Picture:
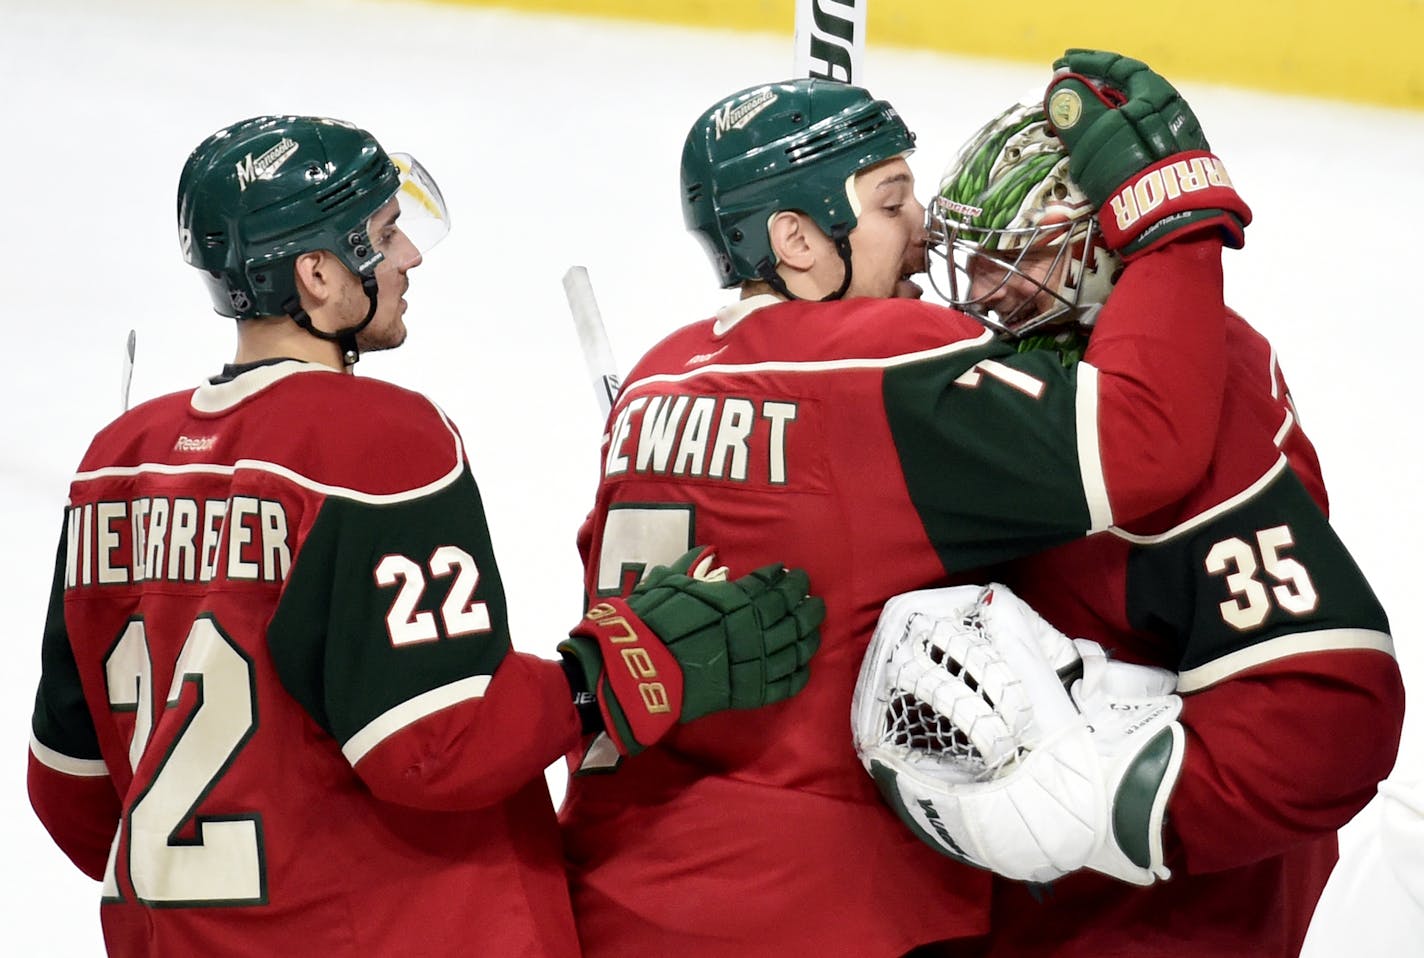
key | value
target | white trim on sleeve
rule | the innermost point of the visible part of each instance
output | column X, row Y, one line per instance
column 412, row 710
column 1325, row 640
column 1090, row 454
column 66, row 764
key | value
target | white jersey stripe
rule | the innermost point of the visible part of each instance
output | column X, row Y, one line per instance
column 169, row 469
column 79, row 767
column 388, row 723
column 1090, row 455
column 1326, row 640
column 1206, row 516
column 809, row 366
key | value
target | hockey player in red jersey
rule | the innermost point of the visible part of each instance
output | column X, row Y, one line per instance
column 885, row 444
column 279, row 711
column 1291, row 701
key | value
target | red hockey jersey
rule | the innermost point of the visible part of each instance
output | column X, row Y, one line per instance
column 279, row 712
column 1293, row 700
column 881, row 445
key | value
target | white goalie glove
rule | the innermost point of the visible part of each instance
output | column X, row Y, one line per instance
column 1002, row 743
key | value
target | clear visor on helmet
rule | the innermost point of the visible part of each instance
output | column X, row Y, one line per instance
column 417, row 220
column 1013, row 279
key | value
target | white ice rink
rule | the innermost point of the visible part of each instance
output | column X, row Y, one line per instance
column 556, row 141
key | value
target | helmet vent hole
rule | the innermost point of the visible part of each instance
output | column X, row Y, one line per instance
column 214, row 240
column 832, row 140
column 334, row 198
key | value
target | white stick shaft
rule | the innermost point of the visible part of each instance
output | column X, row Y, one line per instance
column 830, row 39
column 129, row 346
column 830, row 43
column 593, row 338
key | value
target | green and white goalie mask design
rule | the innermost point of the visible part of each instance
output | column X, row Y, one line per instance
column 1013, row 242
column 964, row 717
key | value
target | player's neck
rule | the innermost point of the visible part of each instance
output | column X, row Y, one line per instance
column 273, row 337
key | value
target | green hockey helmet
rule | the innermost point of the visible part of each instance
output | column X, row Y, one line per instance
column 255, row 195
column 1005, row 202
column 795, row 145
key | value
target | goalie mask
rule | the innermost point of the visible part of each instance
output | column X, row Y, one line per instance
column 1013, row 241
column 795, row 145
column 254, row 196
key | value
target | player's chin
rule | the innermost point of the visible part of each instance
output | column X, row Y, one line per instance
column 906, row 288
column 387, row 338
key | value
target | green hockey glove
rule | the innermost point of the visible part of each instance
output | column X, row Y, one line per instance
column 1138, row 152
column 687, row 643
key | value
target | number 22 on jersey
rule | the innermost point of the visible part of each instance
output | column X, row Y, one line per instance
column 223, row 863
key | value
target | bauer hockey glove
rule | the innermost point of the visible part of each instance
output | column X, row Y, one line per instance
column 962, row 717
column 1138, row 152
column 687, row 643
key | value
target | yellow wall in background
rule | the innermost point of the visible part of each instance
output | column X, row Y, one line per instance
column 1364, row 50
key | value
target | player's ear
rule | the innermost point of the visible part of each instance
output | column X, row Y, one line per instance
column 790, row 240
column 315, row 278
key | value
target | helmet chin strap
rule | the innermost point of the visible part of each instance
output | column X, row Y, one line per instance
column 345, row 339
column 766, row 269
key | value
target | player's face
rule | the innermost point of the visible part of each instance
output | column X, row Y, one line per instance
column 387, row 329
column 1015, row 295
column 888, row 242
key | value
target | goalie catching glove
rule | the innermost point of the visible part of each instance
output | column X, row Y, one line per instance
column 1137, row 151
column 964, row 717
column 687, row 643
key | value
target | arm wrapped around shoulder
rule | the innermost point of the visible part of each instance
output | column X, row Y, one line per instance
column 1138, row 152
column 687, row 642
column 964, row 717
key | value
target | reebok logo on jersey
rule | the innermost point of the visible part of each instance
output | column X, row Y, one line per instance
column 704, row 357
column 195, row 444
column 735, row 116
column 265, row 165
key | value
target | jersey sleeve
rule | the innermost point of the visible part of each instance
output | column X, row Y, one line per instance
column 69, row 784
column 1160, row 351
column 1293, row 701
column 392, row 632
column 1007, row 453
column 1286, row 751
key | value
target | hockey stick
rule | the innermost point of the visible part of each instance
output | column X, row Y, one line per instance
column 593, row 338
column 830, row 39
column 127, row 379
column 829, row 42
